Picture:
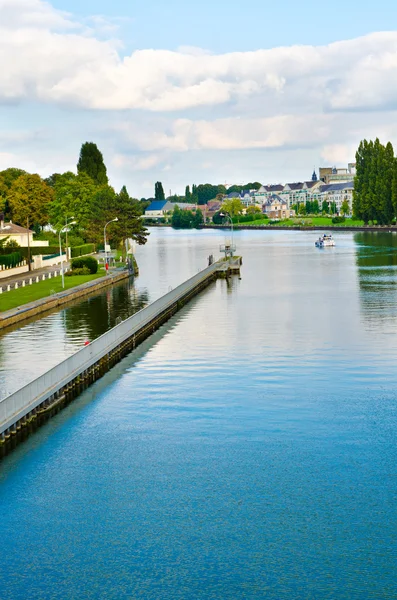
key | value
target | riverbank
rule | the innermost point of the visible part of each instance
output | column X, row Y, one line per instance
column 39, row 306
column 380, row 228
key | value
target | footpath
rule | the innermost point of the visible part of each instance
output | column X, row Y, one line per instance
column 45, row 273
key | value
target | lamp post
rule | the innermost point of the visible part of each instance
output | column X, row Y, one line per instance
column 104, row 240
column 225, row 214
column 60, row 249
column 66, row 224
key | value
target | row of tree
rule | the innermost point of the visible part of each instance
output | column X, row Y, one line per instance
column 186, row 219
column 31, row 201
column 375, row 183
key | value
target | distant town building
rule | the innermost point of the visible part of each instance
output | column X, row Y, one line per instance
column 334, row 175
column 158, row 209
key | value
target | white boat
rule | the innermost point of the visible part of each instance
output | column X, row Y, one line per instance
column 325, row 240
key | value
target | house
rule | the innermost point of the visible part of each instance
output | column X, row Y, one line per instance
column 338, row 193
column 158, row 209
column 277, row 208
column 21, row 235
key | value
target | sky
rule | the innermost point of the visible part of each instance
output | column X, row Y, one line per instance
column 195, row 92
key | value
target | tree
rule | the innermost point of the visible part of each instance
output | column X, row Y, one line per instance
column 187, row 194
column 325, row 207
column 3, row 195
column 394, row 186
column 91, row 163
column 198, row 219
column 52, row 179
column 315, row 207
column 74, row 197
column 10, row 175
column 130, row 224
column 302, row 209
column 345, row 208
column 158, row 191
column 233, row 206
column 309, row 208
column 333, row 208
column 252, row 210
column 29, row 199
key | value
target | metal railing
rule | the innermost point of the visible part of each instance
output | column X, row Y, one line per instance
column 21, row 402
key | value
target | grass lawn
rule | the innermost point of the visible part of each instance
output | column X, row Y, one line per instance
column 308, row 222
column 36, row 291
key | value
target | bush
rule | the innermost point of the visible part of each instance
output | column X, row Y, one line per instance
column 81, row 250
column 89, row 262
column 11, row 260
column 78, row 271
column 338, row 219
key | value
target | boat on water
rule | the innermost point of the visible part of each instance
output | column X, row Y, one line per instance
column 325, row 240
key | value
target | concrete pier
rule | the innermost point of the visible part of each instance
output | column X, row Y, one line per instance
column 26, row 409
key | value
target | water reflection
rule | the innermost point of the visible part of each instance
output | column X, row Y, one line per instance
column 103, row 312
column 37, row 346
column 376, row 260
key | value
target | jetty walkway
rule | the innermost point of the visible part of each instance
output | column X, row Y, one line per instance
column 27, row 408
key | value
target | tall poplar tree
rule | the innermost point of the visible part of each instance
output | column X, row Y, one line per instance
column 187, row 194
column 158, row 191
column 91, row 162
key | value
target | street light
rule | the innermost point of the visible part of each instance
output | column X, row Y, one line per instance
column 60, row 249
column 225, row 214
column 66, row 224
column 104, row 239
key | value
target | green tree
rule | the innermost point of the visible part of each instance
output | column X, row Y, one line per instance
column 130, row 224
column 325, row 207
column 233, row 206
column 198, row 218
column 309, row 208
column 252, row 210
column 158, row 191
column 345, row 208
column 315, row 207
column 394, row 186
column 10, row 175
column 187, row 194
column 333, row 208
column 3, row 195
column 74, row 197
column 91, row 163
column 52, row 179
column 29, row 200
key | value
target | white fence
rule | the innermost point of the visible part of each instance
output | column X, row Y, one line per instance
column 20, row 403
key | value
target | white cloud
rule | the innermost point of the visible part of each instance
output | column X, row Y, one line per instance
column 55, row 61
column 189, row 113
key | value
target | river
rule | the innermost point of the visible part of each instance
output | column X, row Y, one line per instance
column 246, row 450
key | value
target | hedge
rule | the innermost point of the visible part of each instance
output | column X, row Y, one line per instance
column 11, row 260
column 53, row 250
column 85, row 261
column 33, row 250
column 81, row 250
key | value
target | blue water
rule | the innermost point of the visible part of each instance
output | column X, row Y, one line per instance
column 246, row 450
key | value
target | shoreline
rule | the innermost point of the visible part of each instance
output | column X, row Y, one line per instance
column 32, row 309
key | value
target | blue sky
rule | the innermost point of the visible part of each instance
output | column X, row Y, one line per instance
column 194, row 92
column 224, row 26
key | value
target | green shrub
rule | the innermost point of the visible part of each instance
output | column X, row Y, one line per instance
column 78, row 271
column 338, row 219
column 11, row 260
column 89, row 262
column 81, row 250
